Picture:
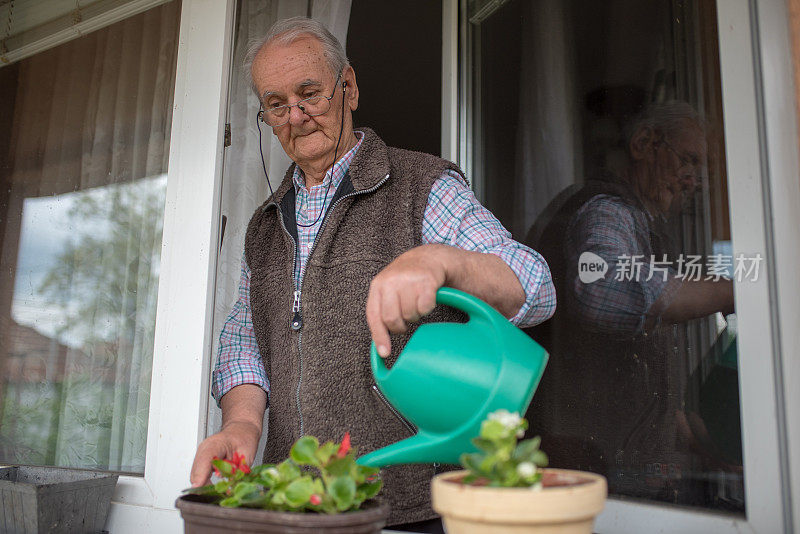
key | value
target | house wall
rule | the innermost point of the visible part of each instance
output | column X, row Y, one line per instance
column 794, row 29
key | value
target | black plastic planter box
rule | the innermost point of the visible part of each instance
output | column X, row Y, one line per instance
column 36, row 500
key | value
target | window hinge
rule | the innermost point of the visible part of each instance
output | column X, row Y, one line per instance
column 227, row 135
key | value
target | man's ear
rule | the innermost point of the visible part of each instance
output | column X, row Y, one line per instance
column 642, row 143
column 350, row 88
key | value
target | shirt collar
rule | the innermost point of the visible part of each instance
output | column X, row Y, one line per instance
column 339, row 169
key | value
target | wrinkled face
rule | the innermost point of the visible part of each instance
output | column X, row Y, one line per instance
column 680, row 162
column 285, row 74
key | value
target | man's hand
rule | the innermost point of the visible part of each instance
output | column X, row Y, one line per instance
column 405, row 290
column 242, row 412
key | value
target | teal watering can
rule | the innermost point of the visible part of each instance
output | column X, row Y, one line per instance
column 450, row 376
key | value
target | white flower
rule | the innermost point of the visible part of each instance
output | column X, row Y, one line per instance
column 273, row 472
column 509, row 420
column 526, row 469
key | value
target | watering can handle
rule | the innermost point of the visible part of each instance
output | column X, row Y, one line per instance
column 465, row 302
column 448, row 296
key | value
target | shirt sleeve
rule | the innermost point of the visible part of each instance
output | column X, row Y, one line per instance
column 238, row 357
column 635, row 287
column 454, row 217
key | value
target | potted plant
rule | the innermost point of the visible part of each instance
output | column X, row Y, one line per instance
column 504, row 488
column 318, row 488
column 52, row 499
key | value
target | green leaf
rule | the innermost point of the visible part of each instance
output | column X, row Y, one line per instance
column 540, row 459
column 270, row 476
column 224, row 467
column 472, row 462
column 288, row 470
column 340, row 467
column 278, row 498
column 202, row 490
column 484, row 444
column 221, row 487
column 325, row 452
column 343, row 490
column 526, row 449
column 362, row 473
column 230, row 502
column 493, row 430
column 371, row 489
column 299, row 491
column 244, row 489
column 304, row 451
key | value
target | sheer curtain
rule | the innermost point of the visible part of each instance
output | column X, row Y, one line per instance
column 548, row 139
column 84, row 180
column 244, row 186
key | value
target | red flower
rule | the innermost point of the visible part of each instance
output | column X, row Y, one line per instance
column 345, row 446
column 239, row 462
column 315, row 499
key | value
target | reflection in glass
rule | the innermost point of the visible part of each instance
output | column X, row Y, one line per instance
column 603, row 151
column 81, row 213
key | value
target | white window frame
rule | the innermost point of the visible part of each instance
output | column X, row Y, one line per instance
column 186, row 285
column 764, row 194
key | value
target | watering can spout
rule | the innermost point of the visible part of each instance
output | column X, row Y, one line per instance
column 414, row 450
column 379, row 369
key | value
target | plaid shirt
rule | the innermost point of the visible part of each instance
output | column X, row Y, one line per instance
column 623, row 300
column 453, row 216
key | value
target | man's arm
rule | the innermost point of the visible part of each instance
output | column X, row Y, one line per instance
column 242, row 412
column 406, row 289
column 699, row 298
column 240, row 387
column 465, row 247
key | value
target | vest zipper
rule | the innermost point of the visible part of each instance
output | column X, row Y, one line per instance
column 297, row 318
column 297, row 311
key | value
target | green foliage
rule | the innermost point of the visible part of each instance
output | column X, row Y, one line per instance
column 505, row 461
column 315, row 478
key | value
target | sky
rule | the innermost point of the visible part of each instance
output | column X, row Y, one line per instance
column 45, row 231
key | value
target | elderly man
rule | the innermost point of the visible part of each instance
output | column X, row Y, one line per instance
column 350, row 248
column 611, row 400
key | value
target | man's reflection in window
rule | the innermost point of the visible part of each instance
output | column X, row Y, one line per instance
column 612, row 399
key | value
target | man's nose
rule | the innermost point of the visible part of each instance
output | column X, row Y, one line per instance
column 297, row 114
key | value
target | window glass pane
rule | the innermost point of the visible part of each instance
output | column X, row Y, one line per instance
column 83, row 170
column 597, row 134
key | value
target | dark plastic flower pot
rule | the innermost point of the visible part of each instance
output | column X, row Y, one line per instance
column 36, row 500
column 201, row 517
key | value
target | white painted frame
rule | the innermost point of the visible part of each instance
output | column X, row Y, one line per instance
column 764, row 194
column 186, row 287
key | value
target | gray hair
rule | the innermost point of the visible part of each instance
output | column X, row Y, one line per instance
column 667, row 118
column 286, row 32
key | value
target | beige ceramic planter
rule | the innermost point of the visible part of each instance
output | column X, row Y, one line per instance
column 567, row 504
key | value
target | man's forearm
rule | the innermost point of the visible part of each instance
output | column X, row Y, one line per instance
column 486, row 276
column 694, row 299
column 243, row 406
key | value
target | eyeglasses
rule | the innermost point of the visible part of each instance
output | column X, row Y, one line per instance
column 312, row 106
column 687, row 160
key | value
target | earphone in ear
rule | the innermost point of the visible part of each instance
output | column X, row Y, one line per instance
column 344, row 86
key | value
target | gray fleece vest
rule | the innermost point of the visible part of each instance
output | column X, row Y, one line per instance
column 317, row 357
